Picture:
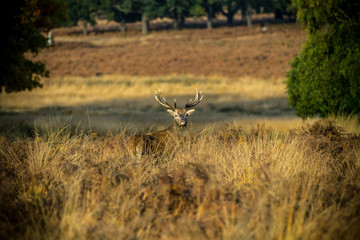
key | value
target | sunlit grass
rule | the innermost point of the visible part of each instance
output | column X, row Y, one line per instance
column 350, row 123
column 92, row 97
column 67, row 91
column 234, row 183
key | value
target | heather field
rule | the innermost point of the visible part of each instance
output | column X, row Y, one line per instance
column 247, row 168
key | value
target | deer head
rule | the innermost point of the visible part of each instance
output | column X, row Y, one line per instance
column 180, row 115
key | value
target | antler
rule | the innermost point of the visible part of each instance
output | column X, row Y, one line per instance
column 163, row 101
column 196, row 101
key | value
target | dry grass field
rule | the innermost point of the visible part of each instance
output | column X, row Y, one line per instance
column 248, row 168
column 227, row 184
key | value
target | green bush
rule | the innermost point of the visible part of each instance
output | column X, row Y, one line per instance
column 325, row 78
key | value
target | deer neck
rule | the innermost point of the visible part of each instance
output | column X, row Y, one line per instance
column 175, row 128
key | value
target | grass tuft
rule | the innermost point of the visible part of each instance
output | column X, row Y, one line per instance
column 229, row 184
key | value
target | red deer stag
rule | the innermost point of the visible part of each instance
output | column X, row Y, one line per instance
column 160, row 141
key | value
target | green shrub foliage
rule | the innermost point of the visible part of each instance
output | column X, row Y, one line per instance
column 325, row 78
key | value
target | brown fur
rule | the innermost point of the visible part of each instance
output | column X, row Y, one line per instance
column 156, row 143
column 159, row 142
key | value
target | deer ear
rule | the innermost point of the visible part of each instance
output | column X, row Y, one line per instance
column 191, row 111
column 171, row 112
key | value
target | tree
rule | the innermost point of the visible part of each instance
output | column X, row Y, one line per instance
column 129, row 10
column 84, row 11
column 118, row 11
column 178, row 10
column 152, row 9
column 206, row 7
column 278, row 7
column 25, row 22
column 325, row 77
column 229, row 9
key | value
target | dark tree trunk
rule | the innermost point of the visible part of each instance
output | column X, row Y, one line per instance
column 209, row 24
column 231, row 11
column 230, row 19
column 278, row 14
column 178, row 21
column 243, row 11
column 182, row 21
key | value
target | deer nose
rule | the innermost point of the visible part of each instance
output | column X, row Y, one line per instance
column 183, row 121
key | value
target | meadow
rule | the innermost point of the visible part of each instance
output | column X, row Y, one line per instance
column 249, row 168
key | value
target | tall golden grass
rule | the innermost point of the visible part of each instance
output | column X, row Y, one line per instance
column 233, row 183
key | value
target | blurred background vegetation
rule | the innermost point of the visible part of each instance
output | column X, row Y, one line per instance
column 324, row 78
column 28, row 20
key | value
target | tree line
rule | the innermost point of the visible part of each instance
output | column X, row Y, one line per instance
column 125, row 11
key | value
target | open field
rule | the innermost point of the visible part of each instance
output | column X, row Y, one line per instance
column 110, row 103
column 106, row 81
column 248, row 168
column 228, row 52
